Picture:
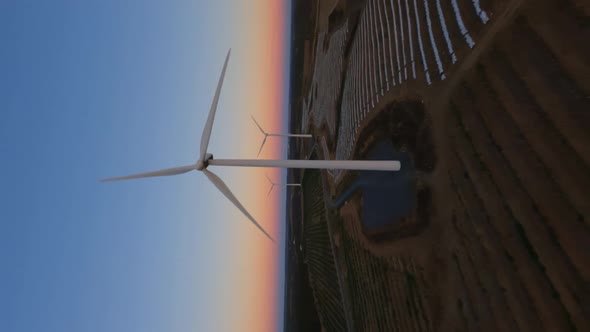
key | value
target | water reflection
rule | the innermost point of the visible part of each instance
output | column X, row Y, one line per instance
column 387, row 196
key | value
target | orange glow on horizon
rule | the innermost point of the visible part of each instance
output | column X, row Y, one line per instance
column 264, row 46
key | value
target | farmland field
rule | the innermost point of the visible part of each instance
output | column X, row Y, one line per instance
column 491, row 99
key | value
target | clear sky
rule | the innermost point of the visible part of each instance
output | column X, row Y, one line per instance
column 99, row 88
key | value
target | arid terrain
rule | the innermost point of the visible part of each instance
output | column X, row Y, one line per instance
column 492, row 101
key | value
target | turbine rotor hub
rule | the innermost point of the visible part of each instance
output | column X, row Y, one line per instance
column 202, row 164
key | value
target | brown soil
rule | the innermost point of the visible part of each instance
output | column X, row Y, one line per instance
column 504, row 149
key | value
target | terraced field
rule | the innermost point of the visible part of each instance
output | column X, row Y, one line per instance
column 319, row 256
column 505, row 86
column 386, row 293
column 517, row 129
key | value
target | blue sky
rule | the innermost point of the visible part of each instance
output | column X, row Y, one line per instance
column 92, row 89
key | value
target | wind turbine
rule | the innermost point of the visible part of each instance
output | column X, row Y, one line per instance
column 206, row 159
column 266, row 135
column 273, row 184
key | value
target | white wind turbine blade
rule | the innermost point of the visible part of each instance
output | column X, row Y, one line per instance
column 272, row 185
column 258, row 125
column 262, row 145
column 163, row 172
column 225, row 191
column 269, row 180
column 209, row 124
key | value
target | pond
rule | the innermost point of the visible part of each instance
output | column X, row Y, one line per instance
column 387, row 196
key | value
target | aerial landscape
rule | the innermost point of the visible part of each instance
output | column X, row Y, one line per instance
column 486, row 227
column 345, row 165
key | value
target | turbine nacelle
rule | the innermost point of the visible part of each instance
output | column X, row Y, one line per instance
column 202, row 164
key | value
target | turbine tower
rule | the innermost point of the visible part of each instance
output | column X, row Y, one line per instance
column 266, row 135
column 206, row 159
column 273, row 184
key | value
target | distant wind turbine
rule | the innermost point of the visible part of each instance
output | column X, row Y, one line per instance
column 206, row 159
column 273, row 184
column 266, row 135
